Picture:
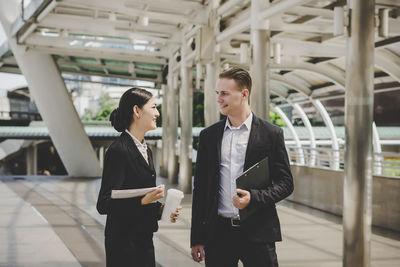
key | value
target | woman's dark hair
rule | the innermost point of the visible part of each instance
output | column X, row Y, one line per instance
column 122, row 116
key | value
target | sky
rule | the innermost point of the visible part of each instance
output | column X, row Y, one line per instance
column 9, row 81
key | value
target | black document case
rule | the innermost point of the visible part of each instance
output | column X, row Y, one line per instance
column 256, row 177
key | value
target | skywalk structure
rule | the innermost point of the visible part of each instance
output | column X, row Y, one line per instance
column 298, row 51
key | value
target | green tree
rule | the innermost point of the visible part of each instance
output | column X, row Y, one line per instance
column 275, row 119
column 198, row 109
column 106, row 106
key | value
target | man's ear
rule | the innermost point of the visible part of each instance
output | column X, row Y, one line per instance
column 245, row 92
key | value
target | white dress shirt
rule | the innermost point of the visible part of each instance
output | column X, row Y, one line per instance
column 141, row 146
column 233, row 153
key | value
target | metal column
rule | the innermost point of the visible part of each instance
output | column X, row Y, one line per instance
column 172, row 127
column 186, row 116
column 358, row 125
column 211, row 110
column 164, row 146
column 259, row 98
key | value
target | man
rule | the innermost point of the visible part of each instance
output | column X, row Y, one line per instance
column 226, row 149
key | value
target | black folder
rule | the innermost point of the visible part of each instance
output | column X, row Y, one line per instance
column 256, row 177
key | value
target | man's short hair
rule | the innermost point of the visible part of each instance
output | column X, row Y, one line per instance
column 241, row 77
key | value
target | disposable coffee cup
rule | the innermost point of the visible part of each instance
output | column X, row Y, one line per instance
column 174, row 198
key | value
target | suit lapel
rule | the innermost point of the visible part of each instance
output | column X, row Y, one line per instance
column 135, row 154
column 150, row 159
column 220, row 134
column 252, row 139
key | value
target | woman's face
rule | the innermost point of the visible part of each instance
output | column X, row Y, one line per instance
column 148, row 115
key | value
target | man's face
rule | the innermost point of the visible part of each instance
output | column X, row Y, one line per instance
column 229, row 97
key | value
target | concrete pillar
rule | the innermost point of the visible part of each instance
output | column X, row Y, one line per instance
column 259, row 98
column 186, row 114
column 359, row 98
column 101, row 156
column 211, row 109
column 172, row 127
column 164, row 146
column 31, row 159
column 55, row 106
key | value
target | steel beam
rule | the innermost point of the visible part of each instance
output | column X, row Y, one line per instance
column 240, row 25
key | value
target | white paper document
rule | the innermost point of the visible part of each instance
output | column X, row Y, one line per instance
column 128, row 193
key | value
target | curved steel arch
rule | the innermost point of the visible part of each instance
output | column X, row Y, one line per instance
column 285, row 81
column 278, row 92
column 376, row 144
column 335, row 160
column 331, row 74
column 388, row 62
column 308, row 125
column 300, row 154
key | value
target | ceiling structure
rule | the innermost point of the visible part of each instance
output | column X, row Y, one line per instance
column 135, row 39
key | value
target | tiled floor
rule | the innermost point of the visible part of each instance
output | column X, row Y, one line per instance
column 52, row 221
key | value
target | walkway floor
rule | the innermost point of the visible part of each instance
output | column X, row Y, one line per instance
column 52, row 221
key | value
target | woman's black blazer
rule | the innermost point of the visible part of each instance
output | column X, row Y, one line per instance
column 125, row 168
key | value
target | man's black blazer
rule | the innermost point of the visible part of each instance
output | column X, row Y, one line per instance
column 265, row 140
column 125, row 168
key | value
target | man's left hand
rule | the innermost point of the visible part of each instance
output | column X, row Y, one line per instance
column 242, row 199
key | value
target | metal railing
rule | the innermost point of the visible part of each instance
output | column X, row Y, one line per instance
column 385, row 163
column 18, row 115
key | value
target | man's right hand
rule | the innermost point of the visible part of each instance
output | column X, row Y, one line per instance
column 198, row 253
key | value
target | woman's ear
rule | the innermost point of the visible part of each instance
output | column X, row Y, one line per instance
column 136, row 111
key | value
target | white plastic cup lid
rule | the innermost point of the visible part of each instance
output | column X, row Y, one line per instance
column 175, row 192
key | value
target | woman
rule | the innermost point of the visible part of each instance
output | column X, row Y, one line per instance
column 128, row 164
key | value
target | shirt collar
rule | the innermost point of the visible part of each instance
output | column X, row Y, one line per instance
column 246, row 123
column 137, row 142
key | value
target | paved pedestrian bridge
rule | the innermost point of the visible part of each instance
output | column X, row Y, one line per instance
column 52, row 221
column 330, row 70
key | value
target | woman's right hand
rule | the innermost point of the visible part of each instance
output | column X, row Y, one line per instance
column 153, row 195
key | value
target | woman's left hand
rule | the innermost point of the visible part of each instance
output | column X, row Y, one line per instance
column 174, row 215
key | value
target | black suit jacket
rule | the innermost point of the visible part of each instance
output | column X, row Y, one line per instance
column 265, row 140
column 125, row 168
